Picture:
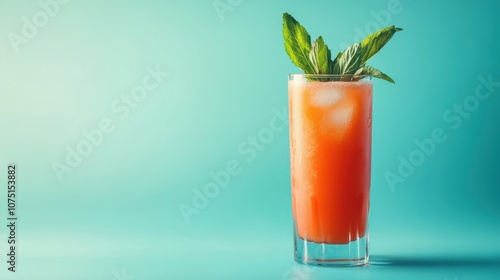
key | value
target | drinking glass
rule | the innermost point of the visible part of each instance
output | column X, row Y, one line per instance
column 330, row 156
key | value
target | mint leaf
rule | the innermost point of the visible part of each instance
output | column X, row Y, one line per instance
column 349, row 60
column 370, row 71
column 320, row 57
column 376, row 41
column 335, row 63
column 297, row 43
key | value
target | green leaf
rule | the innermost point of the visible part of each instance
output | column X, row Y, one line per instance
column 297, row 43
column 368, row 70
column 320, row 57
column 376, row 41
column 349, row 60
column 335, row 64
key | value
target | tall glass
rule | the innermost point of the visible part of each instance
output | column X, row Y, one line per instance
column 330, row 155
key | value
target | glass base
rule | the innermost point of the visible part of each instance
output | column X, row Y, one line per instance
column 354, row 253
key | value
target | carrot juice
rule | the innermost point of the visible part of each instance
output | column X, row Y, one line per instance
column 330, row 154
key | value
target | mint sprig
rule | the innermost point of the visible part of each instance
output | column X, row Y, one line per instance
column 315, row 58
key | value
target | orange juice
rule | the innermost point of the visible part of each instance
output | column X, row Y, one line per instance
column 330, row 141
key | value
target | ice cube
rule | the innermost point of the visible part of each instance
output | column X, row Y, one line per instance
column 341, row 116
column 338, row 120
column 325, row 97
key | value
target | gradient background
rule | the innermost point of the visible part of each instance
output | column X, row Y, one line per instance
column 116, row 216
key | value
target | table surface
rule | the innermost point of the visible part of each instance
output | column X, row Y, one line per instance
column 230, row 259
column 254, row 266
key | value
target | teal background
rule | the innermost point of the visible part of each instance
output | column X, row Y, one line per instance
column 116, row 215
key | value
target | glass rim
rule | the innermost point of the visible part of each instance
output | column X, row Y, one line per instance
column 333, row 77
